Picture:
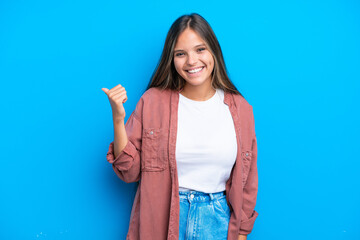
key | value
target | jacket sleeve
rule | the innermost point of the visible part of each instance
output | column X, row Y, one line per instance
column 250, row 191
column 127, row 164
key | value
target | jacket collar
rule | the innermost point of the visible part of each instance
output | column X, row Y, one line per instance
column 227, row 98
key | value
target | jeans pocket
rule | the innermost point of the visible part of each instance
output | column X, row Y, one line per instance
column 222, row 205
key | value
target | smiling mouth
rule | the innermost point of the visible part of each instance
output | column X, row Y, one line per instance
column 195, row 70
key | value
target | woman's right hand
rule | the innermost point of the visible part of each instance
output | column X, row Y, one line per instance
column 117, row 96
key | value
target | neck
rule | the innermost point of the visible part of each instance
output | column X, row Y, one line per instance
column 198, row 93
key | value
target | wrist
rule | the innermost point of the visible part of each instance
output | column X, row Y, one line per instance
column 118, row 119
column 242, row 237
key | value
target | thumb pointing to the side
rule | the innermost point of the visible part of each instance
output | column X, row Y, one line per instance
column 105, row 90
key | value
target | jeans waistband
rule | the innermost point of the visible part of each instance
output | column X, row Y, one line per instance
column 197, row 196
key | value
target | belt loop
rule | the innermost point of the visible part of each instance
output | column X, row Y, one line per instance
column 211, row 196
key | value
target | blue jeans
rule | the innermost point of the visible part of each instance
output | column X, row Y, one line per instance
column 203, row 216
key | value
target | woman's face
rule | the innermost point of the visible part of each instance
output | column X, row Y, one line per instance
column 192, row 59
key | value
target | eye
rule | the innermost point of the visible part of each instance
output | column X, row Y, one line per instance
column 178, row 54
column 201, row 49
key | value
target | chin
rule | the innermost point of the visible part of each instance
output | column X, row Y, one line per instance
column 195, row 82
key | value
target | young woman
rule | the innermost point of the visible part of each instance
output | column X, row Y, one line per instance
column 190, row 143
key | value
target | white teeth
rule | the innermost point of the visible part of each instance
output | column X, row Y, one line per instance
column 195, row 70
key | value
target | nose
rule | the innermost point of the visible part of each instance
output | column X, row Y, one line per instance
column 192, row 59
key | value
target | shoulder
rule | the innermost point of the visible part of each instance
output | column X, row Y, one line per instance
column 153, row 100
column 242, row 103
column 245, row 111
column 156, row 94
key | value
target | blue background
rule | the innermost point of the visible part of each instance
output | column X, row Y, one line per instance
column 296, row 62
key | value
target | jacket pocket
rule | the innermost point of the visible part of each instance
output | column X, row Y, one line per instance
column 151, row 150
column 246, row 157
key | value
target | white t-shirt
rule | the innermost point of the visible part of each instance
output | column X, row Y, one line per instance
column 206, row 145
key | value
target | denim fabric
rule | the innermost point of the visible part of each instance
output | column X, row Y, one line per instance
column 203, row 216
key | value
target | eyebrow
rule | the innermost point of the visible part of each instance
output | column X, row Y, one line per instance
column 194, row 47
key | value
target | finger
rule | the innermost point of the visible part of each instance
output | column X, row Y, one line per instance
column 116, row 87
column 105, row 90
column 117, row 91
column 121, row 97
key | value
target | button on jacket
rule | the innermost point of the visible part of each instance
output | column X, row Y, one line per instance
column 149, row 158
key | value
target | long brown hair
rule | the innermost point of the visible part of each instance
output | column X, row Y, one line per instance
column 165, row 75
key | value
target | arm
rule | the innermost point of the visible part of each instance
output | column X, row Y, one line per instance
column 250, row 191
column 124, row 152
column 120, row 136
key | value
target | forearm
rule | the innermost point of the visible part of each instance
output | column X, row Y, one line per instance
column 120, row 136
column 242, row 237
